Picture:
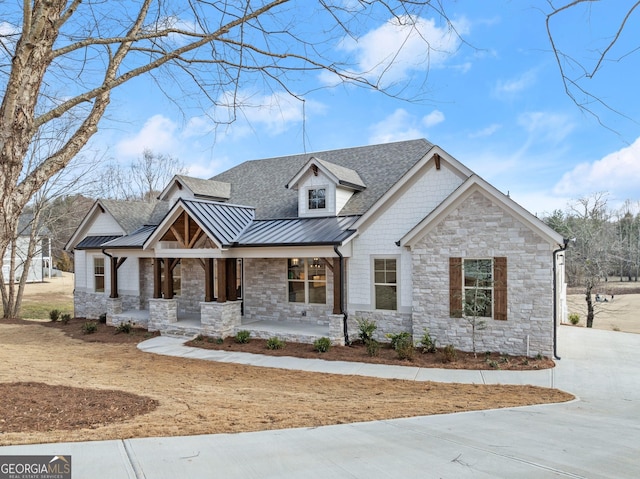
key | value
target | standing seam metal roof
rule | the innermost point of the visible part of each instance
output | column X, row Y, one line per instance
column 222, row 221
column 298, row 232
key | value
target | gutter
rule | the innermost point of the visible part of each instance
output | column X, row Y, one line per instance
column 342, row 297
column 555, row 297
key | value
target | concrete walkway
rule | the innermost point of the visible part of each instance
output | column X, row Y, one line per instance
column 597, row 436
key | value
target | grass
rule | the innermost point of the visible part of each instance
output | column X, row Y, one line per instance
column 35, row 309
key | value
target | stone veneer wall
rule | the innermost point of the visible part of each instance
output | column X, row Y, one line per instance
column 480, row 229
column 146, row 282
column 388, row 322
column 192, row 288
column 266, row 297
column 89, row 305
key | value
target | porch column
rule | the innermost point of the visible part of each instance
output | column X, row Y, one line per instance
column 114, row 277
column 157, row 278
column 208, row 280
column 168, row 279
column 232, row 282
column 337, row 290
column 222, row 281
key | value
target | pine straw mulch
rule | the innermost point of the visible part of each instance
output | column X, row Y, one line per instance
column 385, row 355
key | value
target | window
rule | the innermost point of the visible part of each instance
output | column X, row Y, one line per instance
column 317, row 199
column 385, row 283
column 478, row 288
column 307, row 278
column 98, row 273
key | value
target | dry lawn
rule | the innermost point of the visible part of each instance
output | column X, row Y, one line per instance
column 620, row 314
column 201, row 397
column 58, row 388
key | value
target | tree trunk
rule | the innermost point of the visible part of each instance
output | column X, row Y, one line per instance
column 590, row 312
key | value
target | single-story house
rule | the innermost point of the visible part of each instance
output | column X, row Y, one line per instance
column 304, row 246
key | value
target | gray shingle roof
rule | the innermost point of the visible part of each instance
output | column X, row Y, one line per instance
column 261, row 183
column 345, row 175
column 207, row 188
column 131, row 215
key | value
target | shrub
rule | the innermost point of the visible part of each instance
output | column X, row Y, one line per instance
column 427, row 344
column 493, row 364
column 89, row 327
column 199, row 337
column 275, row 343
column 574, row 318
column 402, row 344
column 54, row 315
column 373, row 347
column 103, row 318
column 366, row 329
column 322, row 345
column 243, row 336
column 450, row 354
column 124, row 327
column 65, row 318
column 219, row 340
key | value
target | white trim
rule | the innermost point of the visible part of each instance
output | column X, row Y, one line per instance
column 472, row 185
column 398, row 260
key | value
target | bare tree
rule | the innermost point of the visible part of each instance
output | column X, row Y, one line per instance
column 578, row 68
column 143, row 179
column 60, row 60
column 590, row 256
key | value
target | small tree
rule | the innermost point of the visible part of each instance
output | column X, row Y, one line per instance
column 477, row 301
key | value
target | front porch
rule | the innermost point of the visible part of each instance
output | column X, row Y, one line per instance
column 221, row 321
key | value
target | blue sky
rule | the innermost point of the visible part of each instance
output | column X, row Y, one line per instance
column 495, row 102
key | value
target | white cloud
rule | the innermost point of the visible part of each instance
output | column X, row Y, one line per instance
column 485, row 132
column 546, row 127
column 274, row 114
column 402, row 125
column 618, row 173
column 157, row 134
column 403, row 45
column 515, row 85
column 433, row 118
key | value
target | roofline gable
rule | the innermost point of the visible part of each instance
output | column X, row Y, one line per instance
column 436, row 155
column 464, row 191
column 320, row 165
column 80, row 231
column 176, row 210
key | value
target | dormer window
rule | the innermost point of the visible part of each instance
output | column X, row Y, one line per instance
column 317, row 199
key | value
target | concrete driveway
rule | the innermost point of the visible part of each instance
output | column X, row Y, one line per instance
column 597, row 436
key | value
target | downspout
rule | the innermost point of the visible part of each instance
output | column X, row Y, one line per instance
column 343, row 309
column 555, row 298
column 104, row 252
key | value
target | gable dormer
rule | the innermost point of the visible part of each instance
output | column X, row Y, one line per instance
column 195, row 189
column 324, row 187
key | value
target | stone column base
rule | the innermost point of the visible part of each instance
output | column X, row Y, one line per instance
column 162, row 312
column 114, row 306
column 220, row 319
